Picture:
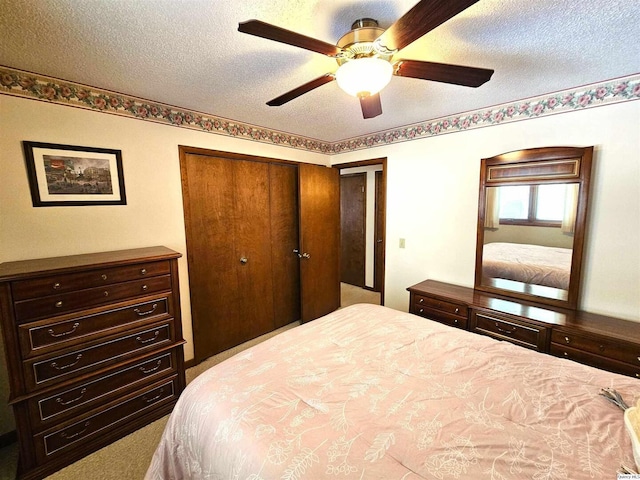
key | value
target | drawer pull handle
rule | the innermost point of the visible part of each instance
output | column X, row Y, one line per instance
column 566, row 354
column 637, row 375
column 148, row 312
column 55, row 364
column 77, row 434
column 73, row 329
column 639, row 359
column 153, row 369
column 106, row 294
column 421, row 310
column 455, row 321
column 567, row 340
column 149, row 400
column 103, row 276
column 59, row 304
column 155, row 337
column 73, row 400
column 143, row 271
column 144, row 288
column 601, row 348
column 421, row 300
column 457, row 310
column 57, row 286
column 504, row 330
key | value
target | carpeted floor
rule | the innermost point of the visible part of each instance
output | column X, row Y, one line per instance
column 129, row 457
column 350, row 294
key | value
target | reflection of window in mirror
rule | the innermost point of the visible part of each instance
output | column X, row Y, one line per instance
column 532, row 204
column 540, row 214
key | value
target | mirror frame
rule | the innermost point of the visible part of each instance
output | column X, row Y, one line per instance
column 539, row 166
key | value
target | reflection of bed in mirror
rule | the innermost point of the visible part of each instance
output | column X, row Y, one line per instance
column 532, row 264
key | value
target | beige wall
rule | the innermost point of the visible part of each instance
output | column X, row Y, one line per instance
column 550, row 237
column 432, row 200
column 153, row 214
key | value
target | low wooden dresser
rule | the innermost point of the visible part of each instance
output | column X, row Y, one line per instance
column 93, row 346
column 601, row 341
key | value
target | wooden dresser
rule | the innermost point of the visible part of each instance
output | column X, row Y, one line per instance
column 94, row 350
column 605, row 342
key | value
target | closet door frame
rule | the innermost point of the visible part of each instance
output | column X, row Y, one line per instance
column 380, row 219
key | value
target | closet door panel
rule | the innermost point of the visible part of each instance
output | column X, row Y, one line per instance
column 353, row 225
column 252, row 230
column 209, row 211
column 284, row 240
column 319, row 204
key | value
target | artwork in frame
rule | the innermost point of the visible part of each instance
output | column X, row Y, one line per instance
column 70, row 175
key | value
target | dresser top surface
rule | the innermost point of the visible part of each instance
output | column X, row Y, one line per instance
column 576, row 320
column 47, row 266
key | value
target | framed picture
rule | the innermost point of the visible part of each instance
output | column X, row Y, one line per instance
column 69, row 175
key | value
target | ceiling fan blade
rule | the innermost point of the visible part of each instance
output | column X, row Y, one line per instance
column 443, row 72
column 421, row 19
column 277, row 34
column 301, row 90
column 371, row 106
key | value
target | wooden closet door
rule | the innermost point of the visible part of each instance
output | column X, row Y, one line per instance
column 353, row 225
column 252, row 228
column 226, row 205
column 284, row 240
column 319, row 204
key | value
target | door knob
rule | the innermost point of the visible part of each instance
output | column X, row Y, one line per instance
column 306, row 255
column 297, row 252
column 243, row 260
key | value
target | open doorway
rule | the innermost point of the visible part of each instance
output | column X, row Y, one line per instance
column 363, row 207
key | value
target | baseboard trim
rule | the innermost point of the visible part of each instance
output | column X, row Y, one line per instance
column 8, row 438
column 189, row 363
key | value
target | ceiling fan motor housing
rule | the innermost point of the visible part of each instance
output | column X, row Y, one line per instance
column 358, row 42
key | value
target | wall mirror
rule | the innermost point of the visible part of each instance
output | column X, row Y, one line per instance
column 532, row 215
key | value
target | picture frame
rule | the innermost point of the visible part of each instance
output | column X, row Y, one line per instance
column 71, row 175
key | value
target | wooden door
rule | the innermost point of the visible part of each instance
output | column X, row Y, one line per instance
column 226, row 206
column 379, row 228
column 284, row 240
column 353, row 219
column 252, row 231
column 319, row 211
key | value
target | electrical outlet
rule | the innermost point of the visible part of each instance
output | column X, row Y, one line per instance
column 402, row 243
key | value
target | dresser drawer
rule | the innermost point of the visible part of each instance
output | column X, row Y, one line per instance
column 442, row 317
column 63, row 283
column 511, row 329
column 606, row 347
column 58, row 441
column 68, row 302
column 452, row 308
column 595, row 360
column 44, row 336
column 85, row 360
column 74, row 400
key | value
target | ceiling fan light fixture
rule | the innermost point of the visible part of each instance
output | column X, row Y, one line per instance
column 364, row 76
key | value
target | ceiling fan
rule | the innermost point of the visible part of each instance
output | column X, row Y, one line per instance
column 365, row 54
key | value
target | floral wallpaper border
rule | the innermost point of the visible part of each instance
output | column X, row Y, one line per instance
column 30, row 85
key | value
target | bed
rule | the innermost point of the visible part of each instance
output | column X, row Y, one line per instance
column 534, row 264
column 368, row 392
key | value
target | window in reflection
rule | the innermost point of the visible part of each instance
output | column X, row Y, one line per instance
column 532, row 204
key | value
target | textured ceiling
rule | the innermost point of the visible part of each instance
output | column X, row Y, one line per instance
column 189, row 54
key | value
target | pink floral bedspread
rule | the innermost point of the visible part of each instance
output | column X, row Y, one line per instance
column 368, row 392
